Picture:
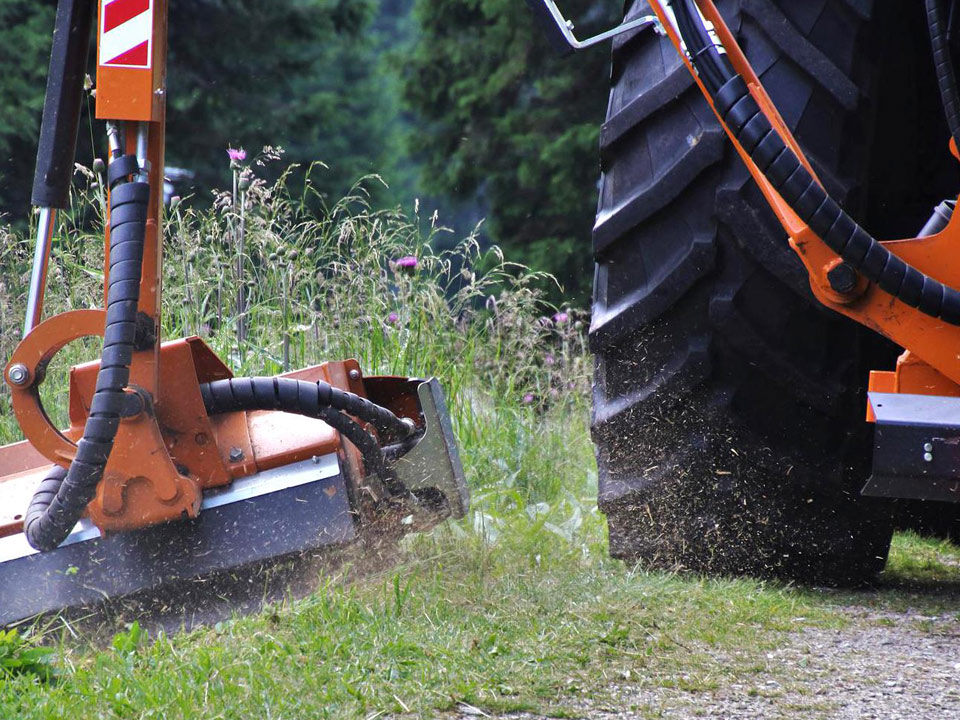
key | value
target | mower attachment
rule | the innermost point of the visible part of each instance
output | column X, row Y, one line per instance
column 279, row 512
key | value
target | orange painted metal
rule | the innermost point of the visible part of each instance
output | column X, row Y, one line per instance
column 35, row 351
column 268, row 439
column 911, row 376
column 16, row 489
column 181, row 417
column 141, row 484
column 130, row 93
column 930, row 340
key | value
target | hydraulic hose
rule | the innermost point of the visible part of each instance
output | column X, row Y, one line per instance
column 64, row 494
column 316, row 400
column 943, row 60
column 781, row 166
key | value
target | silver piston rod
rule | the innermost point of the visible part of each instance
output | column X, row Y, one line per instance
column 41, row 262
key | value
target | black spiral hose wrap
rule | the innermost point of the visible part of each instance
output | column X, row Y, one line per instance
column 316, row 400
column 64, row 494
column 781, row 166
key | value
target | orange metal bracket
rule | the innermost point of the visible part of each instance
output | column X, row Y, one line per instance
column 932, row 341
column 34, row 353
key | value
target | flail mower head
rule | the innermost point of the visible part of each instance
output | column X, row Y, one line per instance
column 172, row 470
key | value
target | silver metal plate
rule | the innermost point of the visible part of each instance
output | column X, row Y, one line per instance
column 264, row 483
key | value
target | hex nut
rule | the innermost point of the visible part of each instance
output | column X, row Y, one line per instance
column 19, row 374
column 843, row 278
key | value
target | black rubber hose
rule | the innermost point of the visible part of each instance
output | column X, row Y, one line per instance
column 64, row 495
column 810, row 202
column 704, row 54
column 233, row 394
column 943, row 61
column 317, row 400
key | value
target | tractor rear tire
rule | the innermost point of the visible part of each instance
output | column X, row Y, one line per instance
column 728, row 404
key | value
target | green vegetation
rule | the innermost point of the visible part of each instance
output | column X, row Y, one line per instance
column 518, row 606
column 21, row 655
column 503, row 117
column 306, row 76
column 457, row 102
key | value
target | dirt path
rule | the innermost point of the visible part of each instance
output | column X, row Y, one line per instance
column 886, row 666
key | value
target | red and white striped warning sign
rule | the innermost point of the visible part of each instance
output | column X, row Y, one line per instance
column 126, row 33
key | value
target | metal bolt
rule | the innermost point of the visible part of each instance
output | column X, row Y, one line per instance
column 200, row 438
column 19, row 374
column 928, row 457
column 928, row 447
column 354, row 374
column 843, row 278
column 316, row 459
column 236, row 454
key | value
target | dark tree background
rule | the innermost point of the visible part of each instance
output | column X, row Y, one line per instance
column 458, row 102
column 505, row 119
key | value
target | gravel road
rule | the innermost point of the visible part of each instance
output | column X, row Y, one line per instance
column 887, row 666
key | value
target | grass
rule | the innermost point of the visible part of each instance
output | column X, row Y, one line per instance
column 518, row 607
column 530, row 622
column 537, row 620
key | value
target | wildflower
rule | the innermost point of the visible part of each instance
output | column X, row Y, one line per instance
column 528, row 398
column 560, row 318
column 237, row 154
column 407, row 262
column 392, row 318
column 549, row 360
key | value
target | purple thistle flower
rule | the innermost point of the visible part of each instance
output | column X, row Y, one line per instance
column 407, row 262
column 528, row 398
column 392, row 318
column 237, row 154
column 560, row 318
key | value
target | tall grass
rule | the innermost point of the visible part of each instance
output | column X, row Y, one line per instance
column 322, row 281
